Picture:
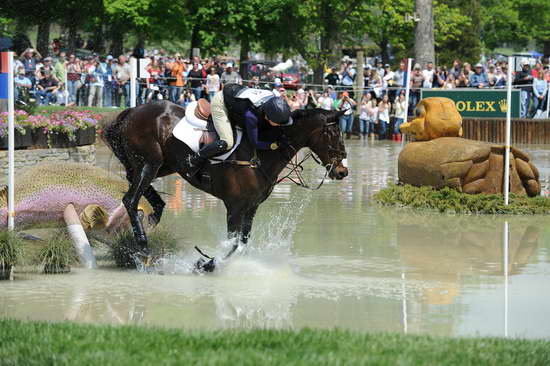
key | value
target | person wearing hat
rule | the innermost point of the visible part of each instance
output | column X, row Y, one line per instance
column 417, row 82
column 479, row 79
column 525, row 79
column 257, row 111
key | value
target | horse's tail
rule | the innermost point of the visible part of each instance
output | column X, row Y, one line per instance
column 112, row 135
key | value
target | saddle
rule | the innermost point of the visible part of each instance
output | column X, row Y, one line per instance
column 203, row 112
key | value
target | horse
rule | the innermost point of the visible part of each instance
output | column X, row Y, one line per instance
column 141, row 139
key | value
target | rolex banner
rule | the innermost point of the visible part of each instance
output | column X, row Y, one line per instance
column 479, row 103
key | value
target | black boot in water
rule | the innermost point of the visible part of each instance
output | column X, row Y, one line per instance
column 197, row 161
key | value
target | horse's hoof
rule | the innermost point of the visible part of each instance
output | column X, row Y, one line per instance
column 204, row 265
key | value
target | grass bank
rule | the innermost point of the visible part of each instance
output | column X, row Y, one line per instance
column 35, row 343
column 449, row 200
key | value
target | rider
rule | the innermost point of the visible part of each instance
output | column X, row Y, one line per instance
column 252, row 109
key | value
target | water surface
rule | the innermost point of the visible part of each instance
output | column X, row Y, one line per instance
column 329, row 258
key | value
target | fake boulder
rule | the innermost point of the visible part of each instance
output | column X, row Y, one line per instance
column 467, row 165
column 435, row 117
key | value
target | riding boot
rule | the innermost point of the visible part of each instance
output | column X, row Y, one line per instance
column 197, row 160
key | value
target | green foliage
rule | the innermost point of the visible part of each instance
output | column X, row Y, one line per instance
column 449, row 200
column 41, row 343
column 57, row 254
column 10, row 250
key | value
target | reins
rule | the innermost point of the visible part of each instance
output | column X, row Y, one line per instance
column 295, row 167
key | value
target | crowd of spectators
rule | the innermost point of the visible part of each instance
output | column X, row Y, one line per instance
column 104, row 81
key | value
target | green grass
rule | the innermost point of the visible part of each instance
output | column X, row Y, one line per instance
column 449, row 200
column 37, row 343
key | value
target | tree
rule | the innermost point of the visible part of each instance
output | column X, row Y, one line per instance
column 424, row 45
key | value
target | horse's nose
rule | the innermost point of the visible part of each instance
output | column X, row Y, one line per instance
column 343, row 173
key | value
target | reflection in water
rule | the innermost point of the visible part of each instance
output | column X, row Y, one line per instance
column 321, row 259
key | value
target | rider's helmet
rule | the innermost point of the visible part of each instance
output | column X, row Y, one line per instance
column 277, row 110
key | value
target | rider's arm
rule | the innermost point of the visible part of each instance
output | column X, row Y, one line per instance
column 251, row 122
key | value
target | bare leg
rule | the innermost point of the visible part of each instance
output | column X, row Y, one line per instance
column 138, row 186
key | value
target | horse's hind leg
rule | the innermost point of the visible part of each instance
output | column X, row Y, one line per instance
column 156, row 202
column 139, row 184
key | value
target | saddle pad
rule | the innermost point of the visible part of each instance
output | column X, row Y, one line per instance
column 191, row 135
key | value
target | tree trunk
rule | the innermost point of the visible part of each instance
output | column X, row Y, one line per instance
column 99, row 39
column 546, row 49
column 385, row 51
column 195, row 40
column 424, row 33
column 245, row 49
column 318, row 74
column 117, row 46
column 43, row 37
column 71, row 40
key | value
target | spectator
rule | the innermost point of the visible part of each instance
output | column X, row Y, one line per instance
column 372, row 109
column 311, row 101
column 540, row 91
column 346, row 121
column 375, row 82
column 294, row 103
column 450, row 82
column 384, row 108
column 95, row 78
column 536, row 70
column 468, row 70
column 230, row 76
column 333, row 78
column 45, row 65
column 301, row 97
column 439, row 78
column 348, row 77
column 29, row 63
column 108, row 85
column 46, row 88
column 60, row 68
column 122, row 74
column 456, row 71
column 387, row 80
column 400, row 115
column 23, row 86
column 478, row 79
column 325, row 101
column 73, row 78
column 462, row 81
column 417, row 81
column 491, row 76
column 428, row 74
column 177, row 70
column 500, row 78
column 195, row 81
column 399, row 75
column 524, row 78
column 61, row 96
column 364, row 117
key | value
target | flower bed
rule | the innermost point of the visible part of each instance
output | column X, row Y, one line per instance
column 66, row 128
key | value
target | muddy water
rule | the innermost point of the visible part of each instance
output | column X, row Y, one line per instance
column 330, row 258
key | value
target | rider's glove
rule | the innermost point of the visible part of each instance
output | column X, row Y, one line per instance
column 274, row 145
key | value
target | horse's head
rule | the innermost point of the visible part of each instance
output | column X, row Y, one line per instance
column 320, row 131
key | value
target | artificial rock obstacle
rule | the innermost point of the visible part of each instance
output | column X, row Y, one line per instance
column 439, row 157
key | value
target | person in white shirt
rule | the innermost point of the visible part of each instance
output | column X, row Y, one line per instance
column 383, row 116
column 364, row 117
column 428, row 74
column 325, row 101
column 400, row 115
column 212, row 83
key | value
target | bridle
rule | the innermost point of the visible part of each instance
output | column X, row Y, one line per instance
column 296, row 167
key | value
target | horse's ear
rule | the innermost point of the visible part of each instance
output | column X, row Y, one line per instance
column 335, row 115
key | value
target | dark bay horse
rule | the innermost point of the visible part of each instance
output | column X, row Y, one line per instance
column 141, row 139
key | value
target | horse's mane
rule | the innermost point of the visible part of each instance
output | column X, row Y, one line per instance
column 317, row 113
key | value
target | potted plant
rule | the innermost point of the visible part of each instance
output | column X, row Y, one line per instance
column 83, row 122
column 22, row 133
column 10, row 253
column 40, row 129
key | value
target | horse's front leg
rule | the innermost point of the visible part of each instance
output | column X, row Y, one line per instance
column 139, row 184
column 156, row 202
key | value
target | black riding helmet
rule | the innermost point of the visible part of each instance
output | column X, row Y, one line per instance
column 277, row 110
